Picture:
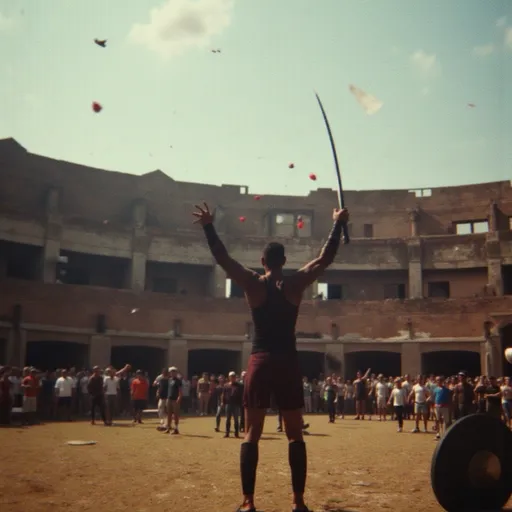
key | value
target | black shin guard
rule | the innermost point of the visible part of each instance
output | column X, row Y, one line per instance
column 298, row 460
column 248, row 465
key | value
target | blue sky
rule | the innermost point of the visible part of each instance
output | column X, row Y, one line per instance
column 240, row 116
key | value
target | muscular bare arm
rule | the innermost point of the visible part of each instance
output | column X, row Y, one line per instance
column 243, row 276
column 308, row 274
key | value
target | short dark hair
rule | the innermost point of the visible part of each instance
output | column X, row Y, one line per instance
column 273, row 254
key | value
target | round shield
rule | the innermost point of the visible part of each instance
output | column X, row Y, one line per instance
column 472, row 465
column 80, row 443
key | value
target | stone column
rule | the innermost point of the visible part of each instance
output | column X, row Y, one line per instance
column 16, row 350
column 217, row 282
column 415, row 269
column 54, row 225
column 140, row 247
column 411, row 358
column 334, row 352
column 491, row 357
column 414, row 218
column 177, row 355
column 100, row 348
column 494, row 263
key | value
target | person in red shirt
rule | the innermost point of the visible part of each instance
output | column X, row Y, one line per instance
column 139, row 390
column 30, row 386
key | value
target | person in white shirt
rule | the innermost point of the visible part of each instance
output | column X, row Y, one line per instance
column 407, row 386
column 398, row 399
column 85, row 399
column 381, row 397
column 185, row 392
column 420, row 395
column 111, row 388
column 64, row 392
column 308, row 407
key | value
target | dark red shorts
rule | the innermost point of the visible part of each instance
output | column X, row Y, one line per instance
column 276, row 375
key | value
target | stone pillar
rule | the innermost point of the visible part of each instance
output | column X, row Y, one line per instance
column 493, row 218
column 411, row 358
column 54, row 225
column 177, row 355
column 217, row 282
column 334, row 353
column 246, row 352
column 494, row 263
column 415, row 269
column 491, row 358
column 414, row 218
column 100, row 348
column 16, row 350
column 140, row 247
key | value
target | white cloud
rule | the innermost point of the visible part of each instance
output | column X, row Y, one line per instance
column 508, row 38
column 181, row 24
column 501, row 22
column 484, row 50
column 5, row 22
column 425, row 63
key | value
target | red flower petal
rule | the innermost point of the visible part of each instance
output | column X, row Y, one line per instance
column 312, row 177
column 242, row 219
column 291, row 166
column 257, row 198
column 96, row 107
column 300, row 224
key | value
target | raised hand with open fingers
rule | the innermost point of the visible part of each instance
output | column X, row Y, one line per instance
column 203, row 215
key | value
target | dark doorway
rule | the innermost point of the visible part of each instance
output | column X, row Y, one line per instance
column 387, row 363
column 23, row 261
column 51, row 355
column 215, row 361
column 507, row 279
column 506, row 342
column 451, row 362
column 312, row 364
column 3, row 351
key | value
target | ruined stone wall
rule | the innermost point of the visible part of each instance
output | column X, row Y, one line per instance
column 78, row 307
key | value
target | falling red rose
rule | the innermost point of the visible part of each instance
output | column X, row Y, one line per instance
column 291, row 166
column 96, row 106
column 242, row 219
column 257, row 198
column 312, row 177
column 300, row 224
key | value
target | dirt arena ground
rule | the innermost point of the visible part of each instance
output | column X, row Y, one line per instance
column 353, row 466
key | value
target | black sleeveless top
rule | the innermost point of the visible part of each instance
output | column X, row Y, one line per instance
column 274, row 322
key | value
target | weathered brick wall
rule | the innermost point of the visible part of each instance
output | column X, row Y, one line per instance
column 76, row 306
column 96, row 195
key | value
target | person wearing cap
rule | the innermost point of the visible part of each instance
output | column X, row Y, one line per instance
column 464, row 396
column 231, row 402
column 30, row 386
column 139, row 388
column 173, row 402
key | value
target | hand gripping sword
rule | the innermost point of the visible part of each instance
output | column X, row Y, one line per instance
column 346, row 238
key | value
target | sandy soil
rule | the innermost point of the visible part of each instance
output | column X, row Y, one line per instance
column 353, row 466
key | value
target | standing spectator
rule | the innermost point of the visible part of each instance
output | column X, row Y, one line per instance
column 242, row 409
column 173, row 403
column 125, row 394
column 6, row 400
column 506, row 400
column 442, row 401
column 232, row 401
column 420, row 396
column 30, row 385
column 95, row 388
column 212, row 396
column 493, row 397
column 308, row 403
column 361, row 394
column 111, row 387
column 340, row 400
column 185, row 394
column 194, row 400
column 47, row 396
column 398, row 399
column 64, row 391
column 162, row 394
column 380, row 390
column 84, row 401
column 330, row 399
column 139, row 389
column 217, row 396
column 464, row 396
column 203, row 394
column 16, row 390
column 349, row 397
